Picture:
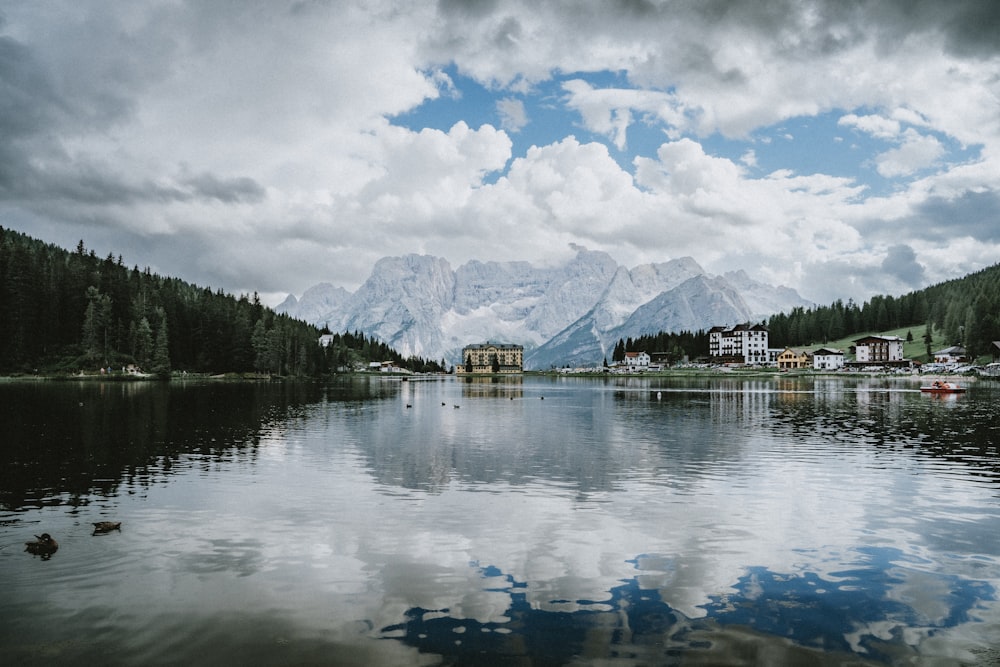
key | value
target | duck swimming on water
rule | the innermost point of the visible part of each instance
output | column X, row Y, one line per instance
column 101, row 527
column 44, row 546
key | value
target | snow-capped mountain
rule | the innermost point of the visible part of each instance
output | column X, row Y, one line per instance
column 568, row 314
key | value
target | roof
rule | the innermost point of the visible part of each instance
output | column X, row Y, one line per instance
column 738, row 328
column 499, row 346
column 954, row 349
column 828, row 351
column 879, row 339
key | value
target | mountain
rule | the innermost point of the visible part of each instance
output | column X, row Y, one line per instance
column 573, row 313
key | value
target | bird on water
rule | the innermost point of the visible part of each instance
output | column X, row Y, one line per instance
column 43, row 545
column 101, row 527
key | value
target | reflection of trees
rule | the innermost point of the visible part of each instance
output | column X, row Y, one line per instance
column 957, row 428
column 76, row 438
column 766, row 617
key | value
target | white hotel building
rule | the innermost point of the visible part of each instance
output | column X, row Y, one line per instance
column 743, row 344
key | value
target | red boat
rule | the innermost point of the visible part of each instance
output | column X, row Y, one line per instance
column 942, row 387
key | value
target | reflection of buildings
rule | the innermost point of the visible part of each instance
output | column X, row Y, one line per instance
column 491, row 358
column 743, row 402
column 492, row 386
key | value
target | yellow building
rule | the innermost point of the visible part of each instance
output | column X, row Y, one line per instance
column 790, row 358
column 491, row 358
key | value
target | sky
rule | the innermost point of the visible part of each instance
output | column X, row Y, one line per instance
column 844, row 149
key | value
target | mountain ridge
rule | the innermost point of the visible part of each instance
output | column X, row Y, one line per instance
column 567, row 314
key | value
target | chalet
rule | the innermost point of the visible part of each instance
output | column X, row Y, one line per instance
column 491, row 358
column 879, row 350
column 828, row 359
column 950, row 355
column 742, row 344
column 636, row 360
column 790, row 359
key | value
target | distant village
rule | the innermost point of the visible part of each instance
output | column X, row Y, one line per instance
column 743, row 345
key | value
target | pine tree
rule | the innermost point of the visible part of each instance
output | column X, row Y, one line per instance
column 161, row 349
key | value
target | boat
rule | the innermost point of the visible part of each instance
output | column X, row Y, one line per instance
column 942, row 387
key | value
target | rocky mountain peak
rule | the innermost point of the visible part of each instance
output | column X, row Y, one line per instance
column 564, row 314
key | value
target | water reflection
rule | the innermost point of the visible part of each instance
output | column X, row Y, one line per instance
column 624, row 521
column 64, row 441
column 878, row 611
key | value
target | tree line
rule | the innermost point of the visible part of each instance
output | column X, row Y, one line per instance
column 63, row 311
column 673, row 347
column 964, row 311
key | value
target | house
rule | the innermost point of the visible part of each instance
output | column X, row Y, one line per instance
column 879, row 350
column 950, row 355
column 828, row 359
column 742, row 344
column 790, row 359
column 387, row 367
column 636, row 360
column 491, row 358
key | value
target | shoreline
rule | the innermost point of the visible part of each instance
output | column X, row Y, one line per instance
column 671, row 373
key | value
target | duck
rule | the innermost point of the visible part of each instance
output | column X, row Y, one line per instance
column 44, row 546
column 101, row 527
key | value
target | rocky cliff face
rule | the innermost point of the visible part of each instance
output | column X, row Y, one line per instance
column 570, row 314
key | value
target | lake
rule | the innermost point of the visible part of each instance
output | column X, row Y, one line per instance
column 479, row 521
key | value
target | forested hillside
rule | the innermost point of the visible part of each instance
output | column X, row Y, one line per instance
column 965, row 311
column 71, row 311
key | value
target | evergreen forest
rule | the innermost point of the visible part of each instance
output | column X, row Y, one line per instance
column 964, row 311
column 67, row 312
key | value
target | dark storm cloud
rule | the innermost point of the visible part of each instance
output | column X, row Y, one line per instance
column 901, row 263
column 28, row 106
column 969, row 27
column 226, row 190
column 87, row 184
column 974, row 214
column 27, row 99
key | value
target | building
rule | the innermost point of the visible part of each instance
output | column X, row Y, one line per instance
column 950, row 355
column 491, row 358
column 742, row 344
column 828, row 359
column 879, row 350
column 636, row 360
column 790, row 359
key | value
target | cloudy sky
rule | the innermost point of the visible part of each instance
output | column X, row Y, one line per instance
column 842, row 148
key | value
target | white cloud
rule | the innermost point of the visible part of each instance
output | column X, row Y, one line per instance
column 916, row 152
column 877, row 126
column 609, row 111
column 185, row 132
column 513, row 117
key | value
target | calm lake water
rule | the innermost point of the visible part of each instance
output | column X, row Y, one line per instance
column 522, row 521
